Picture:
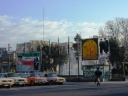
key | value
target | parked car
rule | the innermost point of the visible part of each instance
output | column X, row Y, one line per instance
column 34, row 79
column 4, row 81
column 54, row 79
column 18, row 80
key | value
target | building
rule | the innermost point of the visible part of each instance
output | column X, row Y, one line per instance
column 30, row 46
column 7, row 60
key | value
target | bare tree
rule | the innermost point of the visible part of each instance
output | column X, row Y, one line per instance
column 102, row 31
column 118, row 30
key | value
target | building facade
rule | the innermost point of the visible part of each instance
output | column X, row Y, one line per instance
column 7, row 60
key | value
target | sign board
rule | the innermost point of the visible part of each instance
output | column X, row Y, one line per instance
column 26, row 62
column 90, row 49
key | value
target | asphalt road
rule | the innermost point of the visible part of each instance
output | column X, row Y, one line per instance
column 70, row 89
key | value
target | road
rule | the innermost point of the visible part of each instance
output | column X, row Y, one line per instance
column 70, row 89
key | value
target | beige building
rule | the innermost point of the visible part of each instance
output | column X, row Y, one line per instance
column 30, row 46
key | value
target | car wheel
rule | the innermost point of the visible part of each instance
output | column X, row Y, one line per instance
column 23, row 85
column 51, row 82
column 9, row 86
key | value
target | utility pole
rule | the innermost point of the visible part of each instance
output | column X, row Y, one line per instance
column 9, row 57
column 9, row 60
column 43, row 24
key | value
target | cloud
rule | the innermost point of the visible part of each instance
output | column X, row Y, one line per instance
column 15, row 31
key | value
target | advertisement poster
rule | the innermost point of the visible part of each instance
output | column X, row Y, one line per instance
column 27, row 62
column 90, row 49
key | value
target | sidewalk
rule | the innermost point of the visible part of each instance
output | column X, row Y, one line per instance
column 75, row 83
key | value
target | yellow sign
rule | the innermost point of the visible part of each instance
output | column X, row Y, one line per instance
column 90, row 49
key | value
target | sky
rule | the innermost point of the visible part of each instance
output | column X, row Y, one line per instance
column 25, row 20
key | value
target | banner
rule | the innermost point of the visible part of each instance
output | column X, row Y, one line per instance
column 28, row 62
column 90, row 49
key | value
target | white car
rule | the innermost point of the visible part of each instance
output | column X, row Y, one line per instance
column 54, row 79
column 17, row 79
column 7, row 82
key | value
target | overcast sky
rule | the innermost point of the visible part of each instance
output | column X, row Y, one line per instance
column 22, row 20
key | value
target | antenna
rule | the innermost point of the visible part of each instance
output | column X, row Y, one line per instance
column 43, row 24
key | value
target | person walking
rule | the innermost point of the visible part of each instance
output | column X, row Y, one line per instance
column 98, row 74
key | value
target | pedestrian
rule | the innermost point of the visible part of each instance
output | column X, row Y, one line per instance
column 98, row 74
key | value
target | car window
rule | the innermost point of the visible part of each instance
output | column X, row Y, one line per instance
column 13, row 75
column 3, row 75
column 52, row 75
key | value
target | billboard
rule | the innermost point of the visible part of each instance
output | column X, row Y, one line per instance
column 90, row 49
column 28, row 62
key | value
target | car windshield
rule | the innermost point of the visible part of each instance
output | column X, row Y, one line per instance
column 1, row 76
